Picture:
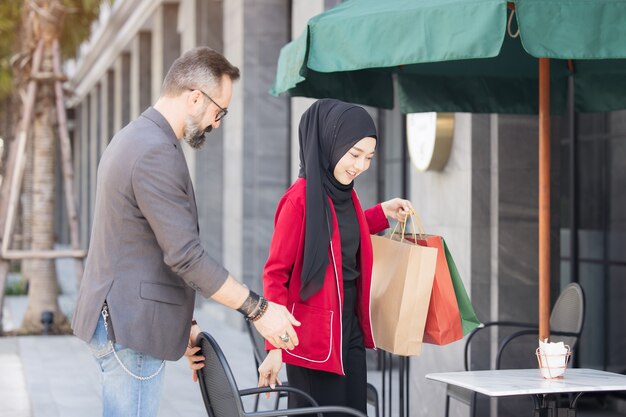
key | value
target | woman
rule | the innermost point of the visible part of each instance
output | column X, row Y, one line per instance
column 320, row 259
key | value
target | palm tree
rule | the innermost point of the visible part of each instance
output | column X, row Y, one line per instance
column 42, row 21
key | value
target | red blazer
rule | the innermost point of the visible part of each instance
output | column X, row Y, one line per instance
column 320, row 333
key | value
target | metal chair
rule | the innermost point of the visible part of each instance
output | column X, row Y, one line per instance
column 258, row 348
column 222, row 398
column 566, row 320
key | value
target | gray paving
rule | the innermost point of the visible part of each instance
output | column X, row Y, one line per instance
column 52, row 376
column 14, row 399
column 56, row 376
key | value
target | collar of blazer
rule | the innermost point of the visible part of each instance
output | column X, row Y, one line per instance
column 152, row 114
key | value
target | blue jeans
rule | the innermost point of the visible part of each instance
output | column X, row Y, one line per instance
column 123, row 395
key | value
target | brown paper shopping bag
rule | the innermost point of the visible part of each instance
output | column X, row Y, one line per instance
column 402, row 279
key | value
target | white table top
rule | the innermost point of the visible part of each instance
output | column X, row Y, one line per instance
column 499, row 383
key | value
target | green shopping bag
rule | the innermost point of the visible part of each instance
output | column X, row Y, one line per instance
column 469, row 321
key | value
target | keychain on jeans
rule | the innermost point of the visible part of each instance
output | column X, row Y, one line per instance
column 105, row 315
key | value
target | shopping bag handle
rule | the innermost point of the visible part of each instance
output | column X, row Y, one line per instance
column 414, row 219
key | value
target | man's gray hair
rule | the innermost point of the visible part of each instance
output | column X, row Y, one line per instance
column 200, row 68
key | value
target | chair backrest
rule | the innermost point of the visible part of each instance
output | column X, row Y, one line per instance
column 568, row 314
column 217, row 383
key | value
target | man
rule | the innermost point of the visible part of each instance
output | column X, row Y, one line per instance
column 145, row 259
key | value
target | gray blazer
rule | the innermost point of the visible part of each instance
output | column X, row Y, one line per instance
column 145, row 257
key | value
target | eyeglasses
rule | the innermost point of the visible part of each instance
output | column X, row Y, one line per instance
column 222, row 113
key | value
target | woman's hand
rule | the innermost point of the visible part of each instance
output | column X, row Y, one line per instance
column 269, row 369
column 397, row 209
column 191, row 353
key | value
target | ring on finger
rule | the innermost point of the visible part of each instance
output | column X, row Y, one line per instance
column 284, row 337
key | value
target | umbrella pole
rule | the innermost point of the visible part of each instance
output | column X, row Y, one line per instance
column 544, row 198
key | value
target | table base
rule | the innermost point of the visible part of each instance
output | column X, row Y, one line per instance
column 395, row 396
column 548, row 406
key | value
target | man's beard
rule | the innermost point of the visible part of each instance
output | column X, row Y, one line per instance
column 194, row 134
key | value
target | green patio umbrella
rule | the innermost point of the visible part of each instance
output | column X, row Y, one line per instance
column 481, row 56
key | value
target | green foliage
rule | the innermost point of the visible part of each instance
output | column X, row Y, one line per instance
column 10, row 18
column 78, row 23
column 75, row 30
column 16, row 288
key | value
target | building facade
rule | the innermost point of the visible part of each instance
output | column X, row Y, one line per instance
column 484, row 202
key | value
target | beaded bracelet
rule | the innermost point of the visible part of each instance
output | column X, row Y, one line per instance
column 263, row 304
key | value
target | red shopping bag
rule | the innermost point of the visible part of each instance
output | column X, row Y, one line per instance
column 443, row 322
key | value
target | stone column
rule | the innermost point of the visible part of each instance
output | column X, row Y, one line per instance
column 104, row 114
column 109, row 124
column 504, row 247
column 84, row 170
column 187, row 23
column 517, row 258
column 94, row 146
column 485, row 269
column 266, row 146
column 233, row 130
column 165, row 44
column 117, row 94
column 121, row 95
column 443, row 200
column 209, row 23
column 256, row 169
column 302, row 11
column 171, row 33
column 134, row 93
column 208, row 174
column 166, row 47
column 144, row 41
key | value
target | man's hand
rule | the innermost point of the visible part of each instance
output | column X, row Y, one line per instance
column 191, row 353
column 269, row 369
column 276, row 325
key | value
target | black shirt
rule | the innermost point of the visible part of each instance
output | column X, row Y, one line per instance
column 350, row 238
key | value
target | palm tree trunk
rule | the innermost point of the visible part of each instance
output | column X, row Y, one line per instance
column 43, row 288
column 22, row 237
column 42, row 23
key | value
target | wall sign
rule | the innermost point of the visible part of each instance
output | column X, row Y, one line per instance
column 429, row 138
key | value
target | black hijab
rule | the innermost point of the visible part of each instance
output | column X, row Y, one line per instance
column 328, row 129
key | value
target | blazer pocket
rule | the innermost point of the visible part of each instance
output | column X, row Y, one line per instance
column 164, row 293
column 314, row 333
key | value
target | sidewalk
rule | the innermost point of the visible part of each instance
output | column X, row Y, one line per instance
column 56, row 376
column 50, row 376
